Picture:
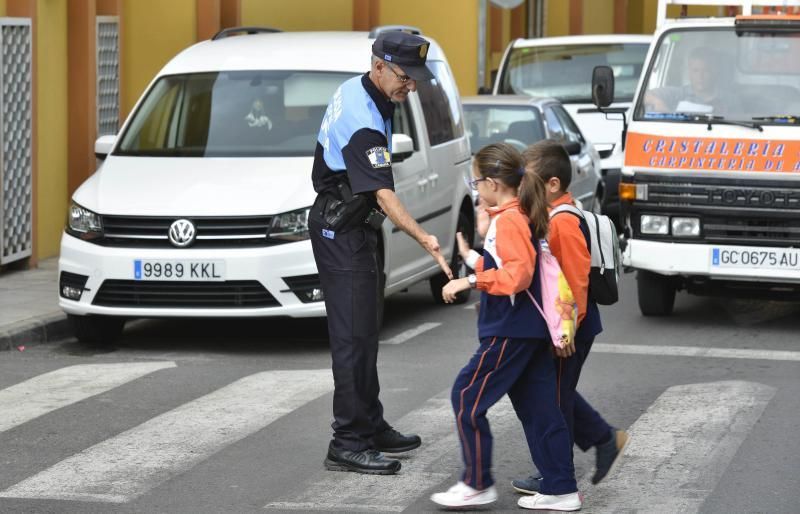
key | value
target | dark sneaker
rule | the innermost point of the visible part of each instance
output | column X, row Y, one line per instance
column 392, row 441
column 370, row 462
column 607, row 454
column 530, row 485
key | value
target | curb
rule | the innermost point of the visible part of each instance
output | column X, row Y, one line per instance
column 37, row 330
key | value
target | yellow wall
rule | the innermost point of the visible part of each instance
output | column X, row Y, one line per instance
column 556, row 18
column 598, row 16
column 153, row 32
column 302, row 15
column 452, row 23
column 2, row 7
column 51, row 123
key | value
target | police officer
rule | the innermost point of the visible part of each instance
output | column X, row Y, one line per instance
column 352, row 175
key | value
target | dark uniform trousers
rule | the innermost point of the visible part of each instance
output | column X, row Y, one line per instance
column 348, row 272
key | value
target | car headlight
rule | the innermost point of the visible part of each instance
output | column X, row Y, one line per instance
column 652, row 224
column 686, row 227
column 290, row 226
column 83, row 223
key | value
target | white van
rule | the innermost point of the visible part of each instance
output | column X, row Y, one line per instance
column 561, row 68
column 200, row 206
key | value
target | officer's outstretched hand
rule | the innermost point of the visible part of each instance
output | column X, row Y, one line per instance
column 431, row 245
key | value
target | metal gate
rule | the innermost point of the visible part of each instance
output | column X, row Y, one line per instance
column 107, row 75
column 16, row 181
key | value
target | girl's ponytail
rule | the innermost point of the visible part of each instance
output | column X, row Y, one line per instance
column 533, row 200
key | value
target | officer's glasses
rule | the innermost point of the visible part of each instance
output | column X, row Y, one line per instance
column 402, row 78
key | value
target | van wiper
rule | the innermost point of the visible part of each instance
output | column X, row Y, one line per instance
column 720, row 120
column 789, row 119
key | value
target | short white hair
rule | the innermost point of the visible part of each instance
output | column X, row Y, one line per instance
column 375, row 60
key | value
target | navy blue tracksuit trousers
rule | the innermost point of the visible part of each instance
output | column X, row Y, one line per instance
column 524, row 369
column 586, row 427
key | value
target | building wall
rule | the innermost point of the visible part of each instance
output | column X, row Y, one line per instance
column 312, row 15
column 51, row 124
column 152, row 32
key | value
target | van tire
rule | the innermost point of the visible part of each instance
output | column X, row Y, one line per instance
column 438, row 281
column 656, row 293
column 96, row 329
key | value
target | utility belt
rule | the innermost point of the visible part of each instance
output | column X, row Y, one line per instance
column 340, row 210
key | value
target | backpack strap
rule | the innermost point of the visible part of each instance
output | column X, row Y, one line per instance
column 584, row 224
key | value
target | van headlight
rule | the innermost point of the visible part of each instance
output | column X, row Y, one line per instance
column 290, row 226
column 652, row 224
column 83, row 223
column 686, row 227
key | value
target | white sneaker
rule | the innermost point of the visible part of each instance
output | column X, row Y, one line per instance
column 567, row 502
column 462, row 495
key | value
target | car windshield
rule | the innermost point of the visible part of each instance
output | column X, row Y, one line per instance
column 519, row 126
column 564, row 72
column 231, row 114
column 724, row 73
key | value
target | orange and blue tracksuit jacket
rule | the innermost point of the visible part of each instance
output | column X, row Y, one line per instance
column 513, row 358
column 568, row 239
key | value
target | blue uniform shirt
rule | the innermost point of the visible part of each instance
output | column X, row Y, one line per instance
column 354, row 139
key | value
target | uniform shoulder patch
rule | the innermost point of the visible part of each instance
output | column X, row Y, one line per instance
column 379, row 157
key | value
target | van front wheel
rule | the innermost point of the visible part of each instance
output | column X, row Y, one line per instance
column 656, row 293
column 96, row 329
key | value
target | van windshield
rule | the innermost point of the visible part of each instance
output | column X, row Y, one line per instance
column 564, row 72
column 747, row 75
column 231, row 114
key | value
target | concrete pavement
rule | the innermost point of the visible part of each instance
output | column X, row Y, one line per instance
column 29, row 312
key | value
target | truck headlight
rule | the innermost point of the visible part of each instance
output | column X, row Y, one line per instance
column 686, row 227
column 290, row 226
column 652, row 224
column 83, row 223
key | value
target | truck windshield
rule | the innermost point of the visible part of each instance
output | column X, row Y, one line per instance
column 231, row 114
column 739, row 75
column 564, row 72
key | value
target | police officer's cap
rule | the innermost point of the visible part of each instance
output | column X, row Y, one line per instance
column 405, row 50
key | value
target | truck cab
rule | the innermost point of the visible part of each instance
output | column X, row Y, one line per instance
column 710, row 191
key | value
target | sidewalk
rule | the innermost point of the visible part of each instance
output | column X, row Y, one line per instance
column 29, row 312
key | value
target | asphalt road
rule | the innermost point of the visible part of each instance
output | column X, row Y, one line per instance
column 234, row 416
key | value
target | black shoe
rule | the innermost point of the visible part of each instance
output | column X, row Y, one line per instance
column 370, row 462
column 392, row 441
column 608, row 453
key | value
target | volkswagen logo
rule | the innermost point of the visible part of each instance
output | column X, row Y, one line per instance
column 182, row 233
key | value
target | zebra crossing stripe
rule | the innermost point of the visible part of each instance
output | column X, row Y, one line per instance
column 126, row 466
column 434, row 421
column 402, row 337
column 45, row 393
column 697, row 351
column 680, row 448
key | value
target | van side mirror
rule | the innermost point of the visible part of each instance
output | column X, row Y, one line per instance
column 572, row 147
column 402, row 147
column 103, row 146
column 602, row 86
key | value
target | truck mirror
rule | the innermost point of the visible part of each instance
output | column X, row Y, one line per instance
column 602, row 86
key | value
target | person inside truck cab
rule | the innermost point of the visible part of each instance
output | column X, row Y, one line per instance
column 703, row 94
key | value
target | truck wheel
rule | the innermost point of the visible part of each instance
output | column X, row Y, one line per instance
column 656, row 293
column 96, row 329
column 457, row 265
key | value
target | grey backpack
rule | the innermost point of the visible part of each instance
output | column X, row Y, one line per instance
column 606, row 261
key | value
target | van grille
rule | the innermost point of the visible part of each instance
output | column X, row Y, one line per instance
column 212, row 232
column 230, row 295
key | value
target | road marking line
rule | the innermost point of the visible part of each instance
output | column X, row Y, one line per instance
column 124, row 467
column 472, row 306
column 402, row 337
column 697, row 351
column 45, row 393
column 680, row 448
column 439, row 460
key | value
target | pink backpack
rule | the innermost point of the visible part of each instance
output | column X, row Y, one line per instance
column 559, row 310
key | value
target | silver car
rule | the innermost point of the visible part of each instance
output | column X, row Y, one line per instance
column 524, row 120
